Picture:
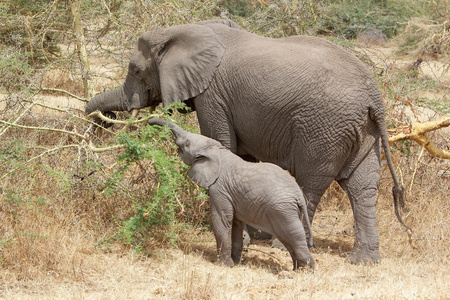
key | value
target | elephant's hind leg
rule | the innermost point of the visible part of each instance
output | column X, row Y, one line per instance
column 292, row 236
column 361, row 187
column 300, row 255
column 237, row 241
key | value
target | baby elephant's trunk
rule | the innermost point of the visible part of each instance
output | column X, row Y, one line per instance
column 176, row 130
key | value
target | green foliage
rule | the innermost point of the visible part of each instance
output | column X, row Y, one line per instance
column 26, row 42
column 276, row 18
column 12, row 151
column 12, row 157
column 15, row 70
column 62, row 178
column 13, row 197
column 159, row 209
column 397, row 85
column 347, row 18
column 241, row 8
column 441, row 105
column 404, row 147
column 24, row 28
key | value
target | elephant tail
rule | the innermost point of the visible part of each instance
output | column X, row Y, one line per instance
column 305, row 220
column 378, row 116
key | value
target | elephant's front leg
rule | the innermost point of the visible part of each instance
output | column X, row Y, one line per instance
column 361, row 188
column 237, row 240
column 222, row 220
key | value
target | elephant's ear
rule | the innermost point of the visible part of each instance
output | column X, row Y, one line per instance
column 205, row 169
column 187, row 57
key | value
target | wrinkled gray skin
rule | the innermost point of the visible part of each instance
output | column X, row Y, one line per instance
column 259, row 194
column 300, row 102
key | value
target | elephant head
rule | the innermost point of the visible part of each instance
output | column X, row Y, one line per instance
column 197, row 151
column 167, row 65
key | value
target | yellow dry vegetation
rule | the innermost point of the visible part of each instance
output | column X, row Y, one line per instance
column 63, row 264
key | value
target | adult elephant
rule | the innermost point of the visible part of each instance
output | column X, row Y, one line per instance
column 300, row 102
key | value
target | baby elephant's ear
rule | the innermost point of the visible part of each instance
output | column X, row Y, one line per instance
column 205, row 170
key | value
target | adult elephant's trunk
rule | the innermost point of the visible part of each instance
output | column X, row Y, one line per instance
column 108, row 101
column 176, row 130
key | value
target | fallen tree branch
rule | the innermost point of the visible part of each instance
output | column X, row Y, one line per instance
column 418, row 132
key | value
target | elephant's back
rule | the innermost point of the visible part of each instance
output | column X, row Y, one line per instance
column 296, row 61
column 296, row 99
column 263, row 191
column 303, row 65
column 271, row 180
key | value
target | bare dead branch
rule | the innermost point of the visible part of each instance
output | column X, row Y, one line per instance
column 127, row 122
column 43, row 128
column 67, row 111
column 104, row 149
column 415, row 169
column 16, row 120
column 418, row 132
column 65, row 92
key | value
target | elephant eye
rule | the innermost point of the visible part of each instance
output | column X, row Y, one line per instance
column 198, row 157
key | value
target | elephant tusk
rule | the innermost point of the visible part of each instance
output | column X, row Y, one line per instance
column 134, row 113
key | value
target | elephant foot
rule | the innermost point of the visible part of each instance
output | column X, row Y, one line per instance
column 301, row 264
column 226, row 262
column 364, row 256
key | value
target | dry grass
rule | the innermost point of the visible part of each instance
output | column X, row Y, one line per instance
column 191, row 276
column 65, row 264
column 424, row 38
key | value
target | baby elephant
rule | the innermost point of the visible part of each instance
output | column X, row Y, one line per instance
column 258, row 194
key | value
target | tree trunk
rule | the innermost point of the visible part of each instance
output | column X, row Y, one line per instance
column 75, row 8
